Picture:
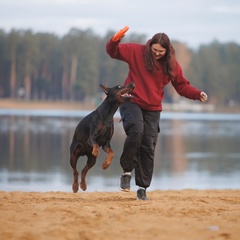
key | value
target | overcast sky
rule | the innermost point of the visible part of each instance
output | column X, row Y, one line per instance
column 193, row 22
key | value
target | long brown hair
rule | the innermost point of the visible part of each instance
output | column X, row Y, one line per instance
column 167, row 61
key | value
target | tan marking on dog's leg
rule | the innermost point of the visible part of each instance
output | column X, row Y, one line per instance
column 95, row 151
column 108, row 159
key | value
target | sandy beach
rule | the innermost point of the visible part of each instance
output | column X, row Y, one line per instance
column 184, row 214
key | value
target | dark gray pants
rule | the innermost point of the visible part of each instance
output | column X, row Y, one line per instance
column 142, row 128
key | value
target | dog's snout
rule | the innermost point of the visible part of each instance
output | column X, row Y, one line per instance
column 132, row 84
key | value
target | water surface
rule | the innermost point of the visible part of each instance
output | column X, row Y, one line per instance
column 194, row 150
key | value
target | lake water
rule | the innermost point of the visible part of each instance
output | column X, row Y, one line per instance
column 194, row 150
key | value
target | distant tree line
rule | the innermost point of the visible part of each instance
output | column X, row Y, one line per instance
column 43, row 66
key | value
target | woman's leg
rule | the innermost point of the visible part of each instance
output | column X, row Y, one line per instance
column 144, row 169
column 132, row 118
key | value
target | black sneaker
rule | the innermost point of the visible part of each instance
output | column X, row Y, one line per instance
column 125, row 182
column 141, row 194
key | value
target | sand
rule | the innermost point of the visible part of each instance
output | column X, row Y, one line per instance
column 183, row 214
column 6, row 103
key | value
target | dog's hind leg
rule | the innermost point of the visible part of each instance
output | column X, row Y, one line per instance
column 74, row 155
column 90, row 163
column 109, row 157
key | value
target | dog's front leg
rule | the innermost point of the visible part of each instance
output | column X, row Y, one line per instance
column 109, row 157
column 92, row 140
column 95, row 151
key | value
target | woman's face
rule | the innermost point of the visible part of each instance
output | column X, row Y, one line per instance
column 158, row 51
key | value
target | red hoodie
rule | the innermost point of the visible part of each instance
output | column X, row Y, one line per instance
column 149, row 87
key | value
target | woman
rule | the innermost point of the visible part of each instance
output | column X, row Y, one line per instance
column 151, row 67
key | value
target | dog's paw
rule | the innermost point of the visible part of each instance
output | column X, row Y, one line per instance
column 75, row 187
column 96, row 152
column 83, row 186
column 105, row 165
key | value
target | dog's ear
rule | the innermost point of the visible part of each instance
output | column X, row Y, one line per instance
column 105, row 89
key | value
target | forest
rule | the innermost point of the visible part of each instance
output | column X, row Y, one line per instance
column 43, row 66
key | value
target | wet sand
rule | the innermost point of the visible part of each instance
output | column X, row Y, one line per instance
column 184, row 214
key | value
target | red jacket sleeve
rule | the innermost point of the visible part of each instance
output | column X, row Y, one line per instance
column 118, row 51
column 112, row 49
column 183, row 86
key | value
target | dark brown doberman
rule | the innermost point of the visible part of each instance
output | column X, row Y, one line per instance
column 96, row 130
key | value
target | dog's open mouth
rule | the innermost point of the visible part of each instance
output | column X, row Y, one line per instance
column 127, row 94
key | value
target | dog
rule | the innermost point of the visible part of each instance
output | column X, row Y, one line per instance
column 96, row 130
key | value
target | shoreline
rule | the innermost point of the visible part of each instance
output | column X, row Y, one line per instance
column 6, row 103
column 51, row 105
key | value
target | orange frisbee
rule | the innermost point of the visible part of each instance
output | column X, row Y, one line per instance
column 119, row 34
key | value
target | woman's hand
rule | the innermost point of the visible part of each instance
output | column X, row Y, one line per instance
column 120, row 34
column 203, row 97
